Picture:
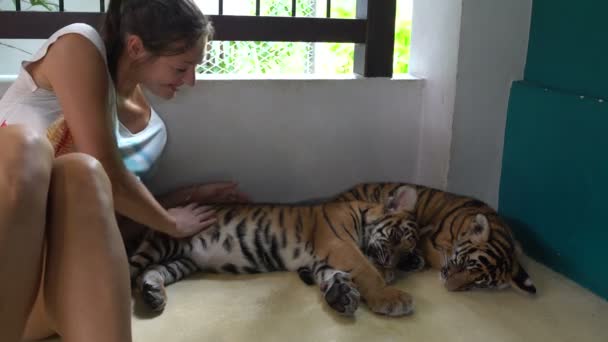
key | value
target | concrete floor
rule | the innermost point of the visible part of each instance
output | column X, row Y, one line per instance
column 278, row 307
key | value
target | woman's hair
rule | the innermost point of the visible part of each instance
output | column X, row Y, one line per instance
column 166, row 27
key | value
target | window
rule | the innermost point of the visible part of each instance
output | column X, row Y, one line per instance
column 321, row 37
column 267, row 57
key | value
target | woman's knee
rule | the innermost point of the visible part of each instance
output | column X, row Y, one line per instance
column 81, row 194
column 26, row 161
column 80, row 173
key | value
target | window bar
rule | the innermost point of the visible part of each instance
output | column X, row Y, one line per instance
column 61, row 6
column 257, row 8
column 17, row 5
column 102, row 6
column 221, row 7
column 329, row 8
column 293, row 8
column 17, row 25
column 375, row 57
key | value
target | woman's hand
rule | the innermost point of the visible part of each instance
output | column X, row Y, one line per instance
column 191, row 219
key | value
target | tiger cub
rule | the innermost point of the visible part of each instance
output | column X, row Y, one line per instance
column 461, row 236
column 339, row 246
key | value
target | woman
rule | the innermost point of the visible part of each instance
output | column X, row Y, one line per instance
column 62, row 259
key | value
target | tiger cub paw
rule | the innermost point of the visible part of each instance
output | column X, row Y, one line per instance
column 341, row 293
column 153, row 290
column 391, row 302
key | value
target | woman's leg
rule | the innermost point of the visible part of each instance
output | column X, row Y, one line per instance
column 25, row 168
column 86, row 283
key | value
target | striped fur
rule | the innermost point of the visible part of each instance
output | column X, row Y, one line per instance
column 461, row 236
column 343, row 247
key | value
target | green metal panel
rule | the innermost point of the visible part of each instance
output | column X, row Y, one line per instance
column 554, row 183
column 568, row 46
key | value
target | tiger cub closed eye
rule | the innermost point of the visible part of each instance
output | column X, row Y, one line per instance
column 461, row 236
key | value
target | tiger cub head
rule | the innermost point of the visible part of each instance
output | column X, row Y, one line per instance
column 391, row 228
column 484, row 257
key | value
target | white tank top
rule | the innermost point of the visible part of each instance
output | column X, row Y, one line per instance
column 26, row 103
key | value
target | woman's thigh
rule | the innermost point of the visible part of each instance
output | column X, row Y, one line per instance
column 72, row 193
column 38, row 324
column 25, row 166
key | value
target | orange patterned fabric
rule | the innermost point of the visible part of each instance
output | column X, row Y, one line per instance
column 59, row 136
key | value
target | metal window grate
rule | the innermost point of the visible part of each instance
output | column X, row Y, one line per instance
column 293, row 11
column 372, row 31
column 61, row 6
column 243, row 57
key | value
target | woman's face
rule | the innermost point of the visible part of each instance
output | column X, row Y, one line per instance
column 164, row 75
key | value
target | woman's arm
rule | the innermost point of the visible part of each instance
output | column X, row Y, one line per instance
column 77, row 74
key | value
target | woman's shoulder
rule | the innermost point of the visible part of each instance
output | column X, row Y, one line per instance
column 79, row 27
column 86, row 31
column 70, row 51
column 71, row 37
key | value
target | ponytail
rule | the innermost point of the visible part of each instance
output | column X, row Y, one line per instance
column 112, row 35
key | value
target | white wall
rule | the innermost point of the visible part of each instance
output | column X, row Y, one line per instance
column 291, row 140
column 434, row 57
column 468, row 52
column 491, row 55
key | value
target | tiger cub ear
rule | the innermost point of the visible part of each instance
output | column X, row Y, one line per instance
column 520, row 279
column 481, row 229
column 403, row 199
